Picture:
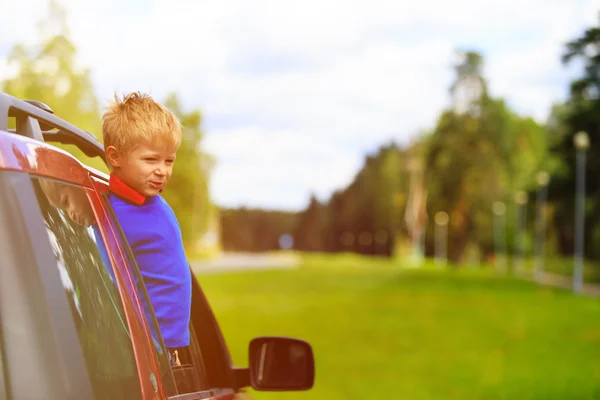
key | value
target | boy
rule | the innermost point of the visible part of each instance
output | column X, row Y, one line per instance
column 141, row 138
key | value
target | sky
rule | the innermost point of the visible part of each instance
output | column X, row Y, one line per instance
column 295, row 94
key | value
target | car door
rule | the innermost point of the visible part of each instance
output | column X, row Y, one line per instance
column 209, row 369
column 149, row 333
column 32, row 302
column 87, row 300
column 150, row 351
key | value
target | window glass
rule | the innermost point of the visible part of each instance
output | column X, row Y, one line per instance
column 88, row 280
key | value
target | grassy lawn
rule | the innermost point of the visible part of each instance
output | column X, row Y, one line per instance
column 380, row 331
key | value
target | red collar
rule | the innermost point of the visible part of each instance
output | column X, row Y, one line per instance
column 120, row 188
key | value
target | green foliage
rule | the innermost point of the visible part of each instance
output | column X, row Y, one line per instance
column 311, row 229
column 188, row 189
column 380, row 331
column 580, row 113
column 366, row 217
column 479, row 152
column 254, row 230
column 475, row 158
column 469, row 85
column 47, row 72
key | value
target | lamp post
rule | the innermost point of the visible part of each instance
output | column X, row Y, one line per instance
column 441, row 237
column 542, row 179
column 582, row 143
column 520, row 225
column 499, row 209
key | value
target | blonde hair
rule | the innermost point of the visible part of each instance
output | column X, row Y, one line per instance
column 52, row 189
column 136, row 118
column 46, row 160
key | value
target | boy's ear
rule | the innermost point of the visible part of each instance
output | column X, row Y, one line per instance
column 113, row 156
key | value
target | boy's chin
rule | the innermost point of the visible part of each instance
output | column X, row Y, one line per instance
column 149, row 192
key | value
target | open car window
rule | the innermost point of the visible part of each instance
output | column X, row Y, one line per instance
column 158, row 345
column 88, row 281
column 191, row 376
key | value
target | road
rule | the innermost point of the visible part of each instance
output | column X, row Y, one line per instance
column 246, row 261
column 565, row 282
column 262, row 261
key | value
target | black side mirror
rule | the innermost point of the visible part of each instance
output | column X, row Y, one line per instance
column 281, row 364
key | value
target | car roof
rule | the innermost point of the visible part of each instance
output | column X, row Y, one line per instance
column 20, row 153
column 25, row 148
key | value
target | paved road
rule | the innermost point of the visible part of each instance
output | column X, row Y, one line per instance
column 565, row 282
column 258, row 261
column 246, row 261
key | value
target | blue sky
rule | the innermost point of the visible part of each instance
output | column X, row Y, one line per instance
column 294, row 94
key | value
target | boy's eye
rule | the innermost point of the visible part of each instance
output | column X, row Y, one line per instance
column 150, row 159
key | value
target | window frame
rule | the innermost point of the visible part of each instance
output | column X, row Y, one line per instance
column 216, row 352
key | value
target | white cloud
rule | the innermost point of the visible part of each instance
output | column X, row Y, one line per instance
column 295, row 93
column 288, row 161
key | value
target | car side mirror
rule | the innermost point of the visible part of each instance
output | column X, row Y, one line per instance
column 281, row 364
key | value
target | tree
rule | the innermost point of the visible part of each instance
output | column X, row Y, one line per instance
column 416, row 206
column 188, row 190
column 47, row 72
column 255, row 230
column 310, row 231
column 580, row 113
column 366, row 216
column 469, row 86
column 475, row 156
column 587, row 48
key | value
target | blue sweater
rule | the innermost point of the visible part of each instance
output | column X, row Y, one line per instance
column 154, row 235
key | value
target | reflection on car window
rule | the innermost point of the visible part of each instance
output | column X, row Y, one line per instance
column 88, row 280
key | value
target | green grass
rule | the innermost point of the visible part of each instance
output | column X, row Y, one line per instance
column 381, row 331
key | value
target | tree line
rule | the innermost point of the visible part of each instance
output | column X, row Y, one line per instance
column 479, row 153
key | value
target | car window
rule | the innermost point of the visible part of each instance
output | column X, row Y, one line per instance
column 159, row 346
column 191, row 376
column 88, row 281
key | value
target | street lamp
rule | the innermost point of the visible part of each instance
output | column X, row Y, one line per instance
column 499, row 209
column 582, row 143
column 521, row 220
column 441, row 237
column 542, row 179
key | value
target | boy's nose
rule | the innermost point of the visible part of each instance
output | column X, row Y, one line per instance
column 73, row 216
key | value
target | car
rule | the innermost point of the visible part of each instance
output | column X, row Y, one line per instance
column 75, row 319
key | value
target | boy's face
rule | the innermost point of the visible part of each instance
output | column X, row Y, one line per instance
column 146, row 168
column 75, row 202
column 71, row 199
